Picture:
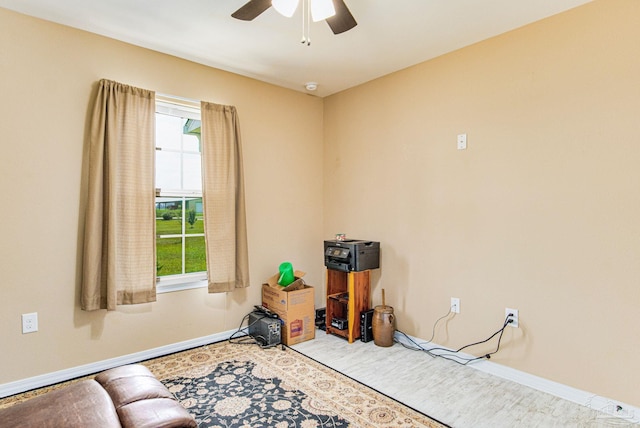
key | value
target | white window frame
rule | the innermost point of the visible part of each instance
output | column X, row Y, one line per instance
column 189, row 109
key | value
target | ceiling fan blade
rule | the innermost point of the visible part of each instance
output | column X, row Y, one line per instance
column 343, row 20
column 251, row 10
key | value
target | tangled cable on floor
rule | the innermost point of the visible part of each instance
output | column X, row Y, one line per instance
column 450, row 354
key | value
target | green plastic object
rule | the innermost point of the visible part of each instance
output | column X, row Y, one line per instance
column 286, row 274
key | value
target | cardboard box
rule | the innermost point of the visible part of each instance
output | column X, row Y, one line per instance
column 294, row 304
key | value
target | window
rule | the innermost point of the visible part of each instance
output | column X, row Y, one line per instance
column 180, row 245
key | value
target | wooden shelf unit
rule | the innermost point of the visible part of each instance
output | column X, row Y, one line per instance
column 348, row 294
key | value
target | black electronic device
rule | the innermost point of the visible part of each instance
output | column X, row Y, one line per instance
column 351, row 255
column 321, row 318
column 266, row 311
column 366, row 322
column 264, row 329
column 339, row 323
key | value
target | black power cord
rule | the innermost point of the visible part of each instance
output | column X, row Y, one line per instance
column 450, row 354
column 244, row 339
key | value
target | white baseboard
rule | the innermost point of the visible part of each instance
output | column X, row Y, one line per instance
column 611, row 409
column 11, row 388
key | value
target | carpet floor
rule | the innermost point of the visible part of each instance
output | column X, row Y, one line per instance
column 237, row 385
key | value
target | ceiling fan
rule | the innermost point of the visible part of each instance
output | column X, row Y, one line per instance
column 339, row 22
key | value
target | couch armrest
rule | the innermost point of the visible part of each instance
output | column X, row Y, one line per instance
column 155, row 413
column 143, row 401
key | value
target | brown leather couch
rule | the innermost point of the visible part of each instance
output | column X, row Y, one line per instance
column 127, row 396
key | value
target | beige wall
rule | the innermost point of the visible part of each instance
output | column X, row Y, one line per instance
column 541, row 213
column 47, row 76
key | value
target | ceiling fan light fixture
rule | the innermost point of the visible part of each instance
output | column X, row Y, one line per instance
column 285, row 7
column 322, row 9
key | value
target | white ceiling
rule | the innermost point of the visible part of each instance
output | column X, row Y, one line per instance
column 391, row 34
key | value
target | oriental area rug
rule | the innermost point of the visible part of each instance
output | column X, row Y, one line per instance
column 227, row 385
column 239, row 385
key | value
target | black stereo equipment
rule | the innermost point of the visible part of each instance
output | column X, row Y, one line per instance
column 321, row 318
column 264, row 329
column 351, row 255
column 339, row 323
column 366, row 321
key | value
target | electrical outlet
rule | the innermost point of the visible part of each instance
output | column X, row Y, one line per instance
column 29, row 323
column 455, row 305
column 511, row 314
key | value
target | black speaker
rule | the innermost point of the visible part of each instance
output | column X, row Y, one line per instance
column 321, row 318
column 366, row 330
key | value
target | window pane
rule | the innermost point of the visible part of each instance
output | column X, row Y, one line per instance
column 192, row 174
column 168, row 131
column 195, row 256
column 178, row 176
column 191, row 143
column 168, row 216
column 169, row 256
column 168, row 170
column 194, row 218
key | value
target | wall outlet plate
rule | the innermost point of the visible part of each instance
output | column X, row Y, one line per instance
column 455, row 305
column 29, row 323
column 462, row 141
column 514, row 316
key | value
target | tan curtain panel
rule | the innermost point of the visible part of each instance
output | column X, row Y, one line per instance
column 223, row 199
column 119, row 241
